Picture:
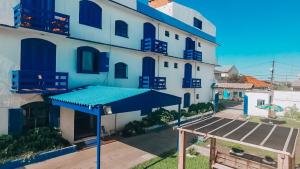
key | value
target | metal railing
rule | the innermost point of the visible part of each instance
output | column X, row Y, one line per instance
column 42, row 20
column 193, row 55
column 157, row 83
column 191, row 83
column 24, row 81
column 153, row 45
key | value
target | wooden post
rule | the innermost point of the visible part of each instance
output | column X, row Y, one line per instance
column 284, row 162
column 293, row 162
column 181, row 153
column 213, row 151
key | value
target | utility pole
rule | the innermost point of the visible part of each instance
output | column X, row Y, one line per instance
column 270, row 114
column 272, row 74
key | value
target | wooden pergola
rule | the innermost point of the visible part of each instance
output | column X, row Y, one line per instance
column 273, row 138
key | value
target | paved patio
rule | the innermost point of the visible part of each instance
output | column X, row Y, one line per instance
column 123, row 154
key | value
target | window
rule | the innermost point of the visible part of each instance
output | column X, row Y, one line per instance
column 121, row 71
column 176, row 37
column 260, row 102
column 166, row 64
column 199, row 44
column 167, row 33
column 175, row 65
column 90, row 14
column 197, row 23
column 36, row 114
column 121, row 28
column 197, row 96
column 198, row 68
column 87, row 60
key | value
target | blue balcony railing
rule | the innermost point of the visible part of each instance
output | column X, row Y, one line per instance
column 157, row 83
column 42, row 20
column 153, row 45
column 39, row 82
column 193, row 55
column 191, row 83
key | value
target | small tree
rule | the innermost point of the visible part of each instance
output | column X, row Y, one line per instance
column 235, row 79
column 292, row 112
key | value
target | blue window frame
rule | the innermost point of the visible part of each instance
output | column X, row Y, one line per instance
column 176, row 36
column 121, row 28
column 121, row 70
column 90, row 14
column 87, row 60
column 198, row 23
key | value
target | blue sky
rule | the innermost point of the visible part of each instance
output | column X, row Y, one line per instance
column 251, row 33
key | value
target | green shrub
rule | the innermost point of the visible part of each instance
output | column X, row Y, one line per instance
column 30, row 143
column 192, row 151
column 133, row 128
column 193, row 108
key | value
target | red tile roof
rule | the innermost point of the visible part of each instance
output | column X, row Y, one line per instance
column 257, row 83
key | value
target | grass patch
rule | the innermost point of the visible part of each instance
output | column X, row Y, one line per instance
column 169, row 160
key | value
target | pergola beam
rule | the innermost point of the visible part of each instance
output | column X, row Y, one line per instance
column 181, row 153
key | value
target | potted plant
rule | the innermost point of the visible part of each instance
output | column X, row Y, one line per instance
column 237, row 151
column 269, row 160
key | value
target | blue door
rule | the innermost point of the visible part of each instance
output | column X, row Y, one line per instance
column 186, row 100
column 189, row 44
column 43, row 5
column 149, row 31
column 148, row 67
column 188, row 71
column 38, row 55
column 149, row 70
column 40, row 11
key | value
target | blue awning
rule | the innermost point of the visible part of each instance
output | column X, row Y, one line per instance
column 89, row 99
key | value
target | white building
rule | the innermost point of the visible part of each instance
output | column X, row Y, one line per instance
column 284, row 99
column 49, row 47
column 223, row 72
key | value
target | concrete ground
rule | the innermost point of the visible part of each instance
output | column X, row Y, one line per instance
column 125, row 153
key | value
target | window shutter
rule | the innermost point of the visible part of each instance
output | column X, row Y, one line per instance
column 15, row 121
column 54, row 116
column 79, row 60
column 103, row 65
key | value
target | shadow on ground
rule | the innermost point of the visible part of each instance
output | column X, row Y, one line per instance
column 157, row 142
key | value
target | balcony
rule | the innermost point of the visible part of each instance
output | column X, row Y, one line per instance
column 193, row 55
column 153, row 45
column 191, row 83
column 157, row 83
column 39, row 82
column 42, row 20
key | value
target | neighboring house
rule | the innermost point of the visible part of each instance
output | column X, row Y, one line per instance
column 223, row 72
column 284, row 99
column 232, row 91
column 258, row 84
column 55, row 46
column 296, row 85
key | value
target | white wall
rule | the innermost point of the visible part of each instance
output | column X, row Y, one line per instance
column 252, row 103
column 67, row 123
column 66, row 56
column 281, row 98
column 287, row 99
column 186, row 15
